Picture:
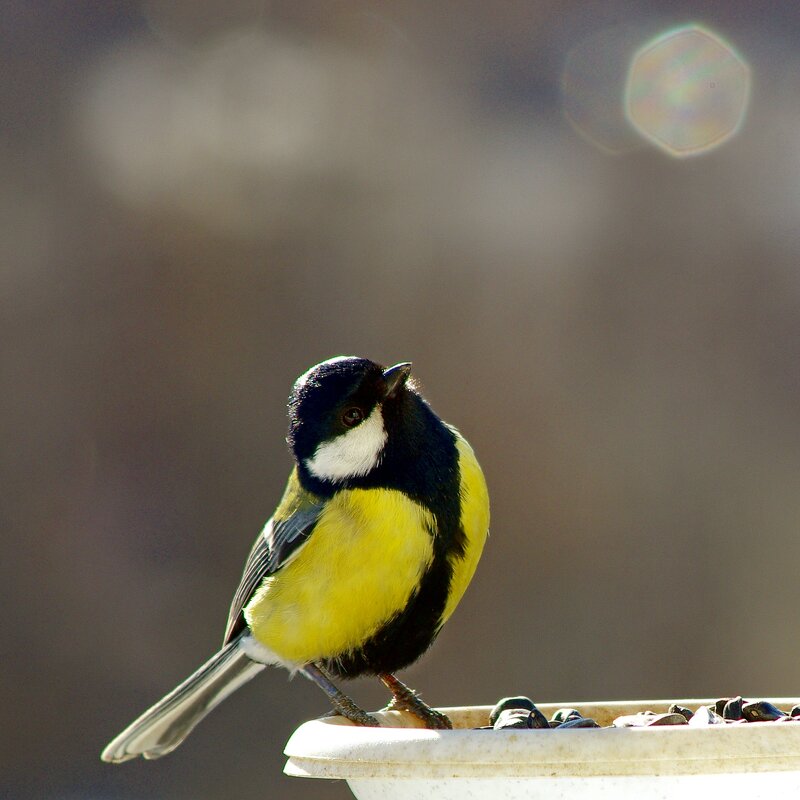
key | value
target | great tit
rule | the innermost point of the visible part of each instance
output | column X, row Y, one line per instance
column 367, row 555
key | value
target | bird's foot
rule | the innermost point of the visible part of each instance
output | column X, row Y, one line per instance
column 339, row 700
column 406, row 699
column 355, row 714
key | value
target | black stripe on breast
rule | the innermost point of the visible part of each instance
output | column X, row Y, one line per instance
column 423, row 464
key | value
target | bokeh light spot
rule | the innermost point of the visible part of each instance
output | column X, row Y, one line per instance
column 687, row 91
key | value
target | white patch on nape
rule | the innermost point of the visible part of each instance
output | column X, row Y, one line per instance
column 353, row 454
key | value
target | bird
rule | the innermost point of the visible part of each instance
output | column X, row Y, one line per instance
column 377, row 535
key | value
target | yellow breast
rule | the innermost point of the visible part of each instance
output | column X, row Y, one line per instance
column 474, row 521
column 359, row 568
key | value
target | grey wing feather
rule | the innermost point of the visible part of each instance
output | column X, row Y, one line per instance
column 276, row 545
column 289, row 535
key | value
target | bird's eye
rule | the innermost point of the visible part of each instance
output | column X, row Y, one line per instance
column 352, row 417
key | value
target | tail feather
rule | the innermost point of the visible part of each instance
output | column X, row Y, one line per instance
column 164, row 726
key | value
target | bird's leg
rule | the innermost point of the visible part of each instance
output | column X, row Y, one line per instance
column 340, row 701
column 406, row 699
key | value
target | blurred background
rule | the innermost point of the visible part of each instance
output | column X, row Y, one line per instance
column 580, row 221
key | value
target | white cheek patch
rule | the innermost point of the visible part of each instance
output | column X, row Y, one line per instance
column 352, row 454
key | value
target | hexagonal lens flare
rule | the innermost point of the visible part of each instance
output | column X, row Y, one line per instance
column 687, row 91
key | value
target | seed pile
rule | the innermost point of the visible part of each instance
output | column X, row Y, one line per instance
column 513, row 713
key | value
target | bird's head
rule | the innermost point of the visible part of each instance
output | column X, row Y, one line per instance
column 338, row 413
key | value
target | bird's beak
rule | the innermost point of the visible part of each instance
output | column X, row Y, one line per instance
column 395, row 377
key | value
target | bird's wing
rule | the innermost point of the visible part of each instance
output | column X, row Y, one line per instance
column 280, row 541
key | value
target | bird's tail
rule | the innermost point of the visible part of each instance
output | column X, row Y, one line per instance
column 164, row 726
